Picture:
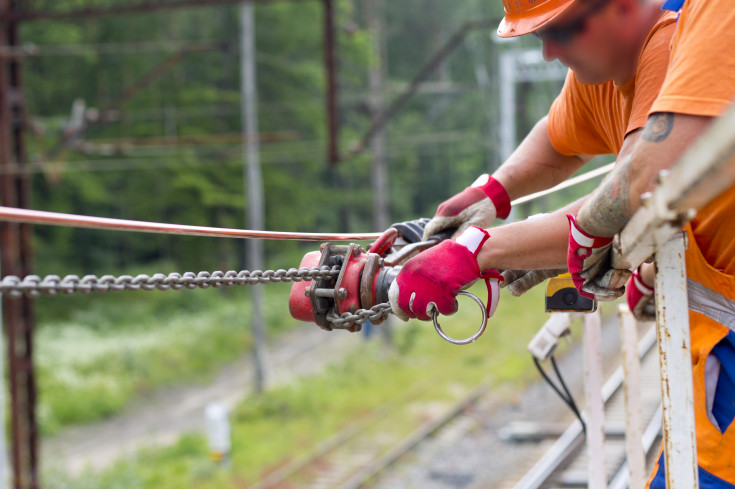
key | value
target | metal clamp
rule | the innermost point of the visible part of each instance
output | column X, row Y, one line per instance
column 472, row 338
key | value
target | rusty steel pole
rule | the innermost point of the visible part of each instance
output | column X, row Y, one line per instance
column 16, row 258
column 330, row 60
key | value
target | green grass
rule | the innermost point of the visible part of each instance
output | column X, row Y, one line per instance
column 112, row 349
column 283, row 423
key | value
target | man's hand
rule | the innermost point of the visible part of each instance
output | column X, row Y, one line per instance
column 588, row 258
column 432, row 279
column 519, row 282
column 477, row 205
column 640, row 298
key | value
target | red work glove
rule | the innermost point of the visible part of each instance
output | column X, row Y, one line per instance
column 477, row 205
column 641, row 300
column 433, row 278
column 588, row 258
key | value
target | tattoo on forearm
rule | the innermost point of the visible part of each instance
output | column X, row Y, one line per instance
column 658, row 128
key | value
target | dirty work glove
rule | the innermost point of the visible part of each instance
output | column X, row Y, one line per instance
column 433, row 278
column 477, row 205
column 588, row 258
column 411, row 231
column 641, row 301
column 399, row 234
column 519, row 282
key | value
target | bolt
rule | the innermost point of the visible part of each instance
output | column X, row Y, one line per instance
column 342, row 293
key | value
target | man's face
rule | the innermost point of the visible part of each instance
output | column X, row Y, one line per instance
column 584, row 39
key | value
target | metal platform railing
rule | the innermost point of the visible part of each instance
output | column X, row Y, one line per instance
column 705, row 170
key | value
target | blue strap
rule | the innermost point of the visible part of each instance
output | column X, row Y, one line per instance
column 674, row 5
column 706, row 479
column 724, row 403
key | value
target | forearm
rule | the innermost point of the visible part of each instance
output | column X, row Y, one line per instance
column 662, row 143
column 536, row 243
column 535, row 165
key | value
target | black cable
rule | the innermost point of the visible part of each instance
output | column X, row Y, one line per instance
column 565, row 396
column 572, row 404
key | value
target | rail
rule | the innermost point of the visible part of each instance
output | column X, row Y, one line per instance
column 598, row 395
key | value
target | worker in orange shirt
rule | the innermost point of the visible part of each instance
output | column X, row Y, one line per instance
column 618, row 52
column 699, row 84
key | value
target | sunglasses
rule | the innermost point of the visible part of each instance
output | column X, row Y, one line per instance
column 566, row 33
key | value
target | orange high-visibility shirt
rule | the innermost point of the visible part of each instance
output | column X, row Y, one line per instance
column 701, row 81
column 594, row 119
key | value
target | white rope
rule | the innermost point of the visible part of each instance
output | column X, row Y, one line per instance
column 566, row 184
column 54, row 218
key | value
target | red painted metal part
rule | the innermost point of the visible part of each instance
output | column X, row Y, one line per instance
column 299, row 305
column 384, row 242
column 353, row 289
column 348, row 282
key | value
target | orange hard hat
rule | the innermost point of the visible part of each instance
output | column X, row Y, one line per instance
column 525, row 16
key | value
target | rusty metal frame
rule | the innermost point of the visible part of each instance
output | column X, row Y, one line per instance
column 142, row 6
column 16, row 256
column 677, row 388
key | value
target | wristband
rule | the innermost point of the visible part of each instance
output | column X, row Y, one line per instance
column 495, row 192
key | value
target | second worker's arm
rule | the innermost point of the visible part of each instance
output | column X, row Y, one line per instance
column 534, row 166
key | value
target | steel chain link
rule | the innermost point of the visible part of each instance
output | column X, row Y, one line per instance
column 34, row 286
column 375, row 313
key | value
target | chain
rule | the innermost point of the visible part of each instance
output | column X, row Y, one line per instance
column 346, row 319
column 34, row 286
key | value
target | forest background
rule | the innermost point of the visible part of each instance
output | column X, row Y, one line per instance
column 173, row 153
column 168, row 154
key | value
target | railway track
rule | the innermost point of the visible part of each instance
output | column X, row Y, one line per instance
column 366, row 447
column 361, row 454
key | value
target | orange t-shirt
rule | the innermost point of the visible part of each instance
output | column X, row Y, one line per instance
column 701, row 81
column 594, row 119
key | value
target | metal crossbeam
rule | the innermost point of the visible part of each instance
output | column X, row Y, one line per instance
column 124, row 8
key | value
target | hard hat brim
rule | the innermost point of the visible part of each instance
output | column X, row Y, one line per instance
column 514, row 25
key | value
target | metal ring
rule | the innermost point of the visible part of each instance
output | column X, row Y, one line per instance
column 472, row 338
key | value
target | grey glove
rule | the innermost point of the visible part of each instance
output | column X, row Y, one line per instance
column 519, row 282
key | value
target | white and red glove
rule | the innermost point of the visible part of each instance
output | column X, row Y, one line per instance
column 588, row 258
column 477, row 205
column 640, row 298
column 433, row 278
